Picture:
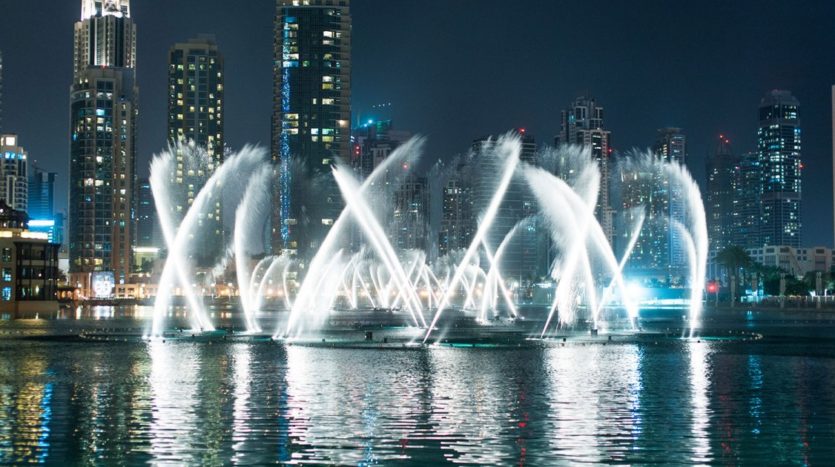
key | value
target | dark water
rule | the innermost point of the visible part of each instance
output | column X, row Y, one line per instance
column 767, row 402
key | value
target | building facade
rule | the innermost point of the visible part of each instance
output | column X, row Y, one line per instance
column 521, row 257
column 457, row 218
column 747, row 231
column 146, row 212
column 103, row 116
column 582, row 124
column 41, row 194
column 14, row 169
column 195, row 116
column 721, row 200
column 42, row 216
column 659, row 253
column 28, row 268
column 311, row 118
column 409, row 229
column 407, row 195
column 671, row 146
column 779, row 152
column 373, row 142
column 797, row 261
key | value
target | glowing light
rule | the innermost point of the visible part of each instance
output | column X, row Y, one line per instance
column 41, row 223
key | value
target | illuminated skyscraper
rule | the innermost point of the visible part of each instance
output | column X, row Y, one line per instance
column 778, row 149
column 409, row 226
column 747, row 231
column 14, row 169
column 146, row 213
column 671, row 146
column 311, row 117
column 721, row 200
column 103, row 114
column 457, row 226
column 520, row 260
column 41, row 194
column 582, row 124
column 42, row 216
column 195, row 116
column 659, row 253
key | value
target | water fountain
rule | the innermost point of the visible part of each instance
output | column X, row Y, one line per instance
column 296, row 295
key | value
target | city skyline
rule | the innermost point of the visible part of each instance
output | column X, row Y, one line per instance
column 734, row 73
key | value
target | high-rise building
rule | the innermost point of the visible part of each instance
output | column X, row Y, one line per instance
column 103, row 116
column 41, row 194
column 14, row 182
column 582, row 124
column 671, row 146
column 42, row 217
column 195, row 116
column 373, row 141
column 644, row 193
column 409, row 229
column 457, row 226
column 520, row 258
column 311, row 117
column 747, row 231
column 721, row 200
column 659, row 252
column 779, row 149
column 146, row 213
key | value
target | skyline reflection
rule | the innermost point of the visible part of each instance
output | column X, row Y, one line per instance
column 262, row 402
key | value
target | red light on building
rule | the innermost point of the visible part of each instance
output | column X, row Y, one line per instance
column 712, row 287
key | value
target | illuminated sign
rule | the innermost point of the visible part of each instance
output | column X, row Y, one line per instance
column 103, row 283
column 42, row 223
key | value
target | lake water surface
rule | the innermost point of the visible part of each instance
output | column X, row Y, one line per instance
column 724, row 402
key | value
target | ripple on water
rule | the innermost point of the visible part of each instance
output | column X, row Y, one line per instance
column 251, row 403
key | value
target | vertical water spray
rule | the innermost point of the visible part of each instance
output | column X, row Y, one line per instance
column 176, row 269
column 512, row 148
column 352, row 193
column 305, row 301
column 249, row 223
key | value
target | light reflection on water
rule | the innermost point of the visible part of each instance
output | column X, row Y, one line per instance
column 251, row 403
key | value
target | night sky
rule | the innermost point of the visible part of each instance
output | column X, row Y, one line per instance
column 455, row 70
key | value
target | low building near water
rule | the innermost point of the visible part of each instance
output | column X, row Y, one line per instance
column 795, row 261
column 28, row 268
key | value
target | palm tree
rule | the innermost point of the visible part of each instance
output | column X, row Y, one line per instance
column 735, row 261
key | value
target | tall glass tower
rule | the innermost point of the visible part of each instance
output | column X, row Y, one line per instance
column 778, row 149
column 103, row 115
column 311, row 118
column 195, row 116
column 582, row 124
column 671, row 146
column 722, row 200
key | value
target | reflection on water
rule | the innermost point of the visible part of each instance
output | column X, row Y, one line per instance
column 699, row 411
column 251, row 403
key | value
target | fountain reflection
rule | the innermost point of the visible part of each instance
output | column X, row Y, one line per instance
column 173, row 381
column 700, row 410
column 599, row 419
column 259, row 402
